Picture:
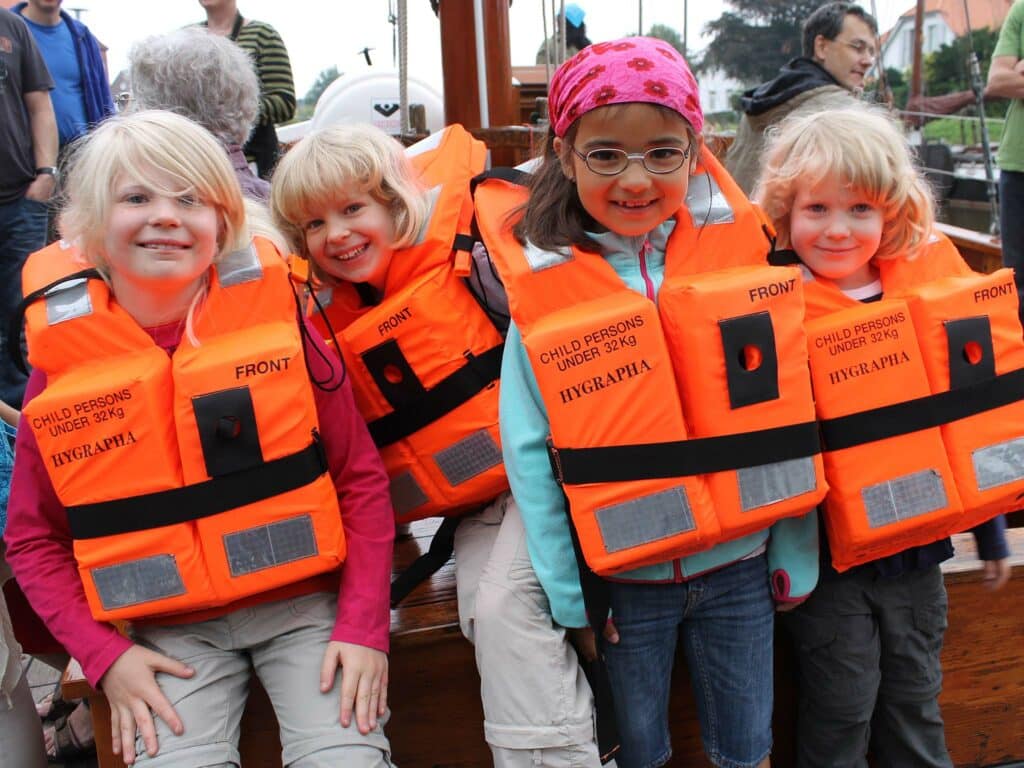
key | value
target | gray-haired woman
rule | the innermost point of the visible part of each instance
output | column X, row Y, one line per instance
column 208, row 79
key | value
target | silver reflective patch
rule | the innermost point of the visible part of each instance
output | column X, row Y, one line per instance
column 468, row 458
column 999, row 464
column 241, row 266
column 770, row 483
column 406, row 493
column 646, row 519
column 68, row 301
column 266, row 546
column 325, row 296
column 540, row 260
column 706, row 203
column 903, row 497
column 138, row 581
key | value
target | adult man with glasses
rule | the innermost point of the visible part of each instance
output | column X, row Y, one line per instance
column 839, row 47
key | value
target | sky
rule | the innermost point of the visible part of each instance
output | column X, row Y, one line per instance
column 331, row 33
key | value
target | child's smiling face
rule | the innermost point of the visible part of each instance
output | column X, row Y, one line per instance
column 634, row 201
column 353, row 239
column 835, row 230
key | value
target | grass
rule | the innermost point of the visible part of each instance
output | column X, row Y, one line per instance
column 956, row 131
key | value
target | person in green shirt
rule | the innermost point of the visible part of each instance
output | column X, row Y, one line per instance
column 1006, row 80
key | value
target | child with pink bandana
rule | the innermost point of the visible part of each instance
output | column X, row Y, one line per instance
column 625, row 182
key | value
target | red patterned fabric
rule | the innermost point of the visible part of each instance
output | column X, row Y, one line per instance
column 633, row 69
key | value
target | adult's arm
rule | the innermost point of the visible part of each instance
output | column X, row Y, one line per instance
column 274, row 69
column 1005, row 78
column 43, row 125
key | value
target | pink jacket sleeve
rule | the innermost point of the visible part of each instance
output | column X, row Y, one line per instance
column 355, row 464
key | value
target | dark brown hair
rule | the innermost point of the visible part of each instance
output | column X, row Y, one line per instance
column 554, row 217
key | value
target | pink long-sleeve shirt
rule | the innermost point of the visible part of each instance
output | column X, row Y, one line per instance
column 39, row 546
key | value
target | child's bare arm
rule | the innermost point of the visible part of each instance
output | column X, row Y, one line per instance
column 9, row 414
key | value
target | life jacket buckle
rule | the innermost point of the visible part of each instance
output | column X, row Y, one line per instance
column 556, row 463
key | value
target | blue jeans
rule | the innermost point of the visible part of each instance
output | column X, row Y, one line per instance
column 1011, row 225
column 22, row 231
column 725, row 620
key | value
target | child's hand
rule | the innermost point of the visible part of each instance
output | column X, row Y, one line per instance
column 131, row 688
column 583, row 639
column 364, row 682
column 997, row 573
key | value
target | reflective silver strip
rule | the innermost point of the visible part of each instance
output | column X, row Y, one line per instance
column 646, row 519
column 433, row 194
column 433, row 141
column 903, row 497
column 468, row 458
column 266, row 546
column 999, row 464
column 770, row 483
column 68, row 301
column 241, row 266
column 706, row 203
column 325, row 296
column 138, row 581
column 540, row 260
column 406, row 493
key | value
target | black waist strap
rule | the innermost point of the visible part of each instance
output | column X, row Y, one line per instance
column 467, row 382
column 678, row 458
column 192, row 502
column 922, row 412
column 427, row 564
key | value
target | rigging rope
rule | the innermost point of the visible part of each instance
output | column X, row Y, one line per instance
column 403, row 67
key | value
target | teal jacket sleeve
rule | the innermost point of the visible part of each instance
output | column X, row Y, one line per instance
column 524, row 433
column 793, row 557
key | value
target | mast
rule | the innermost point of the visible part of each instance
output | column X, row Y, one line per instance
column 978, row 86
column 915, row 81
column 459, row 63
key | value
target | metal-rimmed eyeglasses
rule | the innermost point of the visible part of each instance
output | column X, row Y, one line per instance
column 612, row 162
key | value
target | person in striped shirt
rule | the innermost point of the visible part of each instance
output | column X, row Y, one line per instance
column 277, row 90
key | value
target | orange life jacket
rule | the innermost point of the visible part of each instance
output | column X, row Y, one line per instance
column 190, row 480
column 425, row 360
column 631, row 388
column 918, row 395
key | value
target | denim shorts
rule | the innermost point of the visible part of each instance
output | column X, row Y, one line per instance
column 725, row 620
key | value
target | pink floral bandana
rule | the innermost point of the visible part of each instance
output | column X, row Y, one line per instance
column 633, row 69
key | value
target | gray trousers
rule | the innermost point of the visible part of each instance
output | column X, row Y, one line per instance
column 538, row 708
column 283, row 642
column 870, row 674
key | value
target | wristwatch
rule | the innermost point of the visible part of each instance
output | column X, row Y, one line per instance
column 47, row 170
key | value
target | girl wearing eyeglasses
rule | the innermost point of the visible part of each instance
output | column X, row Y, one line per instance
column 623, row 198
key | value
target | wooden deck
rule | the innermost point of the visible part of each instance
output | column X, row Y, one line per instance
column 436, row 716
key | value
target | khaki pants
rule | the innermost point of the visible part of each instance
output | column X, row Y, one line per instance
column 538, row 709
column 283, row 642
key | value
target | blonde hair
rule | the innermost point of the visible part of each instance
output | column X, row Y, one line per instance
column 132, row 146
column 309, row 176
column 865, row 149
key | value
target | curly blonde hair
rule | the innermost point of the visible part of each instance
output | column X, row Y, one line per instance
column 866, row 149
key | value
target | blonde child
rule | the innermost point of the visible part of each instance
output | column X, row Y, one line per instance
column 219, row 459
column 845, row 197
column 622, row 185
column 353, row 205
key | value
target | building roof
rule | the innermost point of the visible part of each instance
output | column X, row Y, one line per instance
column 983, row 13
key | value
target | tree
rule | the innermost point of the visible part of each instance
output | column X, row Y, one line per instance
column 945, row 70
column 324, row 79
column 755, row 41
column 668, row 34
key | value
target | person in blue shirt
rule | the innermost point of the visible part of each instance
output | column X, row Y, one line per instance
column 81, row 96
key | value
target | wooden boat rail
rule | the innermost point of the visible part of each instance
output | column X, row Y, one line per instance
column 437, row 721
